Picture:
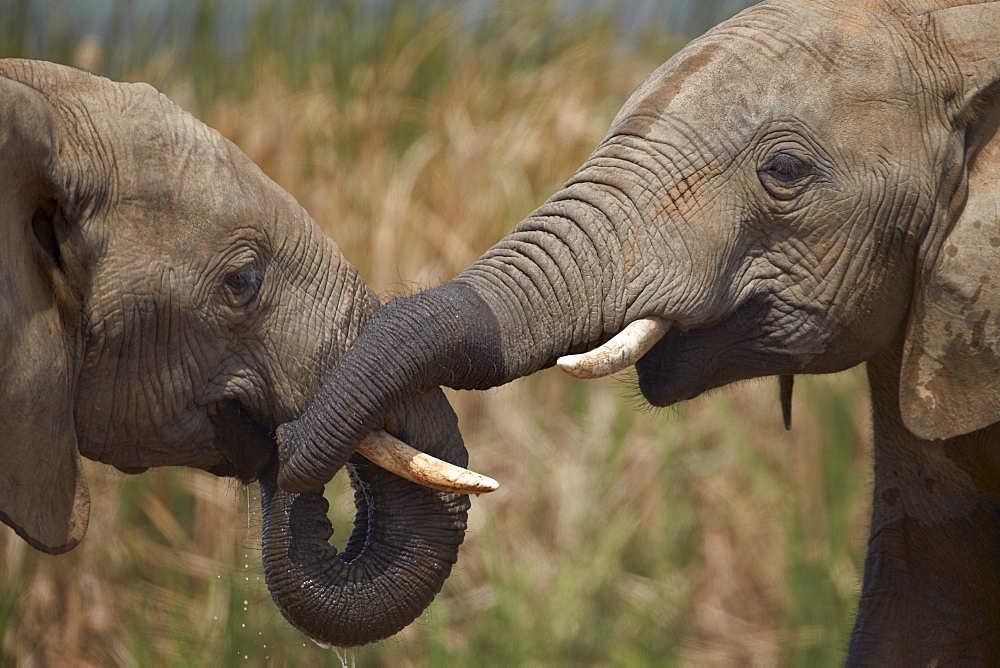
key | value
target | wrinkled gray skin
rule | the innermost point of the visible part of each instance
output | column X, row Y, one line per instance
column 808, row 186
column 165, row 303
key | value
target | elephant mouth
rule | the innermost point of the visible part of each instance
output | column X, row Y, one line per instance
column 249, row 448
column 672, row 372
column 246, row 446
column 676, row 363
column 684, row 364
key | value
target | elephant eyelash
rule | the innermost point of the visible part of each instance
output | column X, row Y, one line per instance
column 786, row 168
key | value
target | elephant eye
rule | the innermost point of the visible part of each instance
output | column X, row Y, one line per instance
column 243, row 285
column 43, row 224
column 784, row 175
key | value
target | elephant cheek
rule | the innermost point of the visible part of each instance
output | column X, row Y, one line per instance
column 128, row 437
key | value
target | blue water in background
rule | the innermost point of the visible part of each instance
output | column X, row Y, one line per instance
column 77, row 19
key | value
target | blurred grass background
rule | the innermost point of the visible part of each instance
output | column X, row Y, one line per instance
column 418, row 133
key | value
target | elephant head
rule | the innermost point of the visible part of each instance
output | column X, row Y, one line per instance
column 165, row 303
column 808, row 186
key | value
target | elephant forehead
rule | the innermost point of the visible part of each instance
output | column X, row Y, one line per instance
column 774, row 61
column 132, row 154
column 200, row 190
column 190, row 206
column 179, row 159
column 192, row 179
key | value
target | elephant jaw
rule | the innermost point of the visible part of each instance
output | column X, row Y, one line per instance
column 621, row 352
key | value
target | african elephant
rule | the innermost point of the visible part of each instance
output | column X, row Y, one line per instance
column 808, row 186
column 165, row 303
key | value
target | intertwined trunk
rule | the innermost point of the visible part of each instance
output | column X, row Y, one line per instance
column 405, row 538
column 544, row 291
column 404, row 543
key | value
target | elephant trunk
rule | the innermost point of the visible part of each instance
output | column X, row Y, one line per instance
column 542, row 292
column 405, row 537
column 399, row 555
column 401, row 550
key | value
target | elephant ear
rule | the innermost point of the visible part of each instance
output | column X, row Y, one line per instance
column 950, row 378
column 43, row 493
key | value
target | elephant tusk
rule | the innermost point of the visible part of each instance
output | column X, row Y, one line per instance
column 621, row 352
column 418, row 467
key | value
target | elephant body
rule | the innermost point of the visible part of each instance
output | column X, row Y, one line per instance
column 165, row 303
column 930, row 589
column 807, row 187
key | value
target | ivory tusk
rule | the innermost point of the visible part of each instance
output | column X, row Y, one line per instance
column 397, row 457
column 621, row 352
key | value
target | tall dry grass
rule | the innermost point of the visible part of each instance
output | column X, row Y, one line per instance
column 702, row 535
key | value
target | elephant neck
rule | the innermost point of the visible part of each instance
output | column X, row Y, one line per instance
column 930, row 591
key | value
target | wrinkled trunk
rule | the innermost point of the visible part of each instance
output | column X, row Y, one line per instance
column 405, row 537
column 399, row 555
column 545, row 290
column 404, row 543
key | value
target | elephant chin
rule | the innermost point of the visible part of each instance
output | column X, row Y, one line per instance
column 671, row 371
column 404, row 543
column 686, row 363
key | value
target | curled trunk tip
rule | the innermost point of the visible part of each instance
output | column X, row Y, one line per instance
column 402, row 548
